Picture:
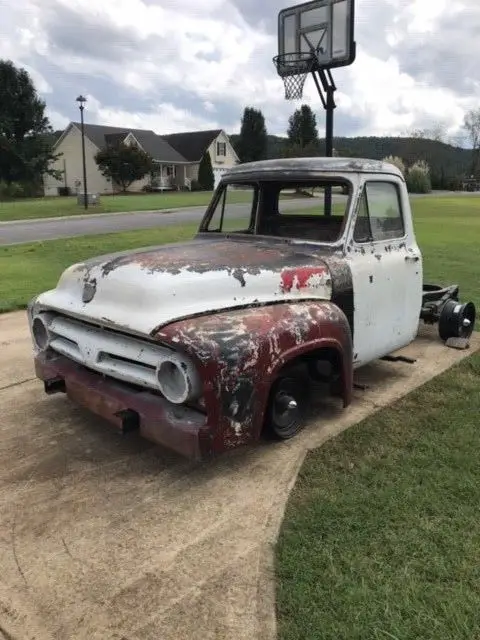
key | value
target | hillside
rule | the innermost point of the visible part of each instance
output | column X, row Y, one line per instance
column 444, row 159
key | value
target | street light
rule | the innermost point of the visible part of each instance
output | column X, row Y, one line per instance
column 82, row 101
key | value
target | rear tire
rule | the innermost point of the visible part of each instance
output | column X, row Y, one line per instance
column 288, row 404
column 456, row 320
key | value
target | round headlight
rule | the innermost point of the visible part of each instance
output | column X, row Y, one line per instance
column 178, row 380
column 40, row 333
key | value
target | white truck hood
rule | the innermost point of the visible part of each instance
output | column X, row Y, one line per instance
column 140, row 291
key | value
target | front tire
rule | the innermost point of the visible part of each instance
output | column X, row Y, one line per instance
column 288, row 405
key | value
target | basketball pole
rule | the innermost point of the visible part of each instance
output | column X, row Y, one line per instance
column 326, row 90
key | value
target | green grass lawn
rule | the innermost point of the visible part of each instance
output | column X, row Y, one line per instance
column 28, row 269
column 448, row 231
column 53, row 207
column 381, row 537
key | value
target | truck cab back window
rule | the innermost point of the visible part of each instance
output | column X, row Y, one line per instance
column 379, row 214
column 297, row 210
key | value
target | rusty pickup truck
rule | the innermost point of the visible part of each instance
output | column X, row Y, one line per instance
column 302, row 270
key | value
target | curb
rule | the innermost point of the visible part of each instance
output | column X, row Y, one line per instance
column 89, row 216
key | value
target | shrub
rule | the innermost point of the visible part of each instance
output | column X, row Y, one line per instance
column 453, row 183
column 10, row 191
column 397, row 162
column 64, row 191
column 195, row 185
column 418, row 178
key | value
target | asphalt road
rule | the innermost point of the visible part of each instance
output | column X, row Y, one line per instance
column 22, row 231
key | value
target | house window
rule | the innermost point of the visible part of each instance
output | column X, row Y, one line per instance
column 379, row 214
column 171, row 171
column 221, row 149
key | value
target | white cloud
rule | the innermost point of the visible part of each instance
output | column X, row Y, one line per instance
column 166, row 118
column 57, row 120
column 162, row 51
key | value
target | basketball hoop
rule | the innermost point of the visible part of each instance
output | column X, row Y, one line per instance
column 294, row 68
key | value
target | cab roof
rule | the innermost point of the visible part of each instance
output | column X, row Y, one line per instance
column 310, row 167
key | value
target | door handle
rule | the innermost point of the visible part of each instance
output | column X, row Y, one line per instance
column 412, row 258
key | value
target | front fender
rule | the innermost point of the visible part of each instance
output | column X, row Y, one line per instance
column 240, row 352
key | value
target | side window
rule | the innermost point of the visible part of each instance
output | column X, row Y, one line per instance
column 235, row 210
column 380, row 214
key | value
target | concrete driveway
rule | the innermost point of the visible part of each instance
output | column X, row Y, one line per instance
column 114, row 539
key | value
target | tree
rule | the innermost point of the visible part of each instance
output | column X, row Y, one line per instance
column 310, row 150
column 206, row 178
column 471, row 124
column 124, row 164
column 437, row 132
column 253, row 140
column 302, row 128
column 25, row 131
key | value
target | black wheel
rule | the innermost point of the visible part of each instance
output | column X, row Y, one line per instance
column 288, row 404
column 456, row 320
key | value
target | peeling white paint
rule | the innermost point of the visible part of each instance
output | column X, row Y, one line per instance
column 139, row 300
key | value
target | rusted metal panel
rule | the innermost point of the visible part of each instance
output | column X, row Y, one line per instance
column 179, row 428
column 142, row 290
column 240, row 352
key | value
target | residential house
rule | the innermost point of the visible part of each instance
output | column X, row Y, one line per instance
column 177, row 157
column 193, row 144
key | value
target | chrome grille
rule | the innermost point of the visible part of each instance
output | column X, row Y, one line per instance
column 110, row 353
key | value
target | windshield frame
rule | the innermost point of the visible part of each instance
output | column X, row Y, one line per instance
column 349, row 180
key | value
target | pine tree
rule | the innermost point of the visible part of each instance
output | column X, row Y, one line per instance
column 302, row 128
column 253, row 140
column 206, row 178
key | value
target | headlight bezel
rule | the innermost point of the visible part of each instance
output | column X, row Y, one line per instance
column 178, row 379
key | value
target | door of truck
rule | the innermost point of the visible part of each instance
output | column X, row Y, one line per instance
column 386, row 265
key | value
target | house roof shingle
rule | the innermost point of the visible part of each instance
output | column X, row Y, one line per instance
column 158, row 147
column 192, row 144
column 152, row 143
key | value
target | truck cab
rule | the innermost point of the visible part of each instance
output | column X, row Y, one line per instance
column 301, row 271
column 367, row 234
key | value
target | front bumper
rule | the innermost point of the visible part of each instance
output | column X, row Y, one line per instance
column 175, row 427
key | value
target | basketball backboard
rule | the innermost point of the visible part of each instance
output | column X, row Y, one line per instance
column 324, row 28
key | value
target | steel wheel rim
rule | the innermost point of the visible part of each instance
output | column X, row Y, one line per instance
column 467, row 320
column 285, row 417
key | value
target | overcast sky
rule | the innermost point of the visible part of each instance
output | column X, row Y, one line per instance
column 187, row 64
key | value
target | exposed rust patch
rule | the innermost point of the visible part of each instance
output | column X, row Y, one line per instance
column 176, row 427
column 302, row 278
column 238, row 257
column 89, row 290
column 239, row 353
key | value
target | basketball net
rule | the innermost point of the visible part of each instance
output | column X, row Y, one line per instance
column 294, row 68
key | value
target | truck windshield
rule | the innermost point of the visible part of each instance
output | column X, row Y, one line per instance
column 283, row 209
